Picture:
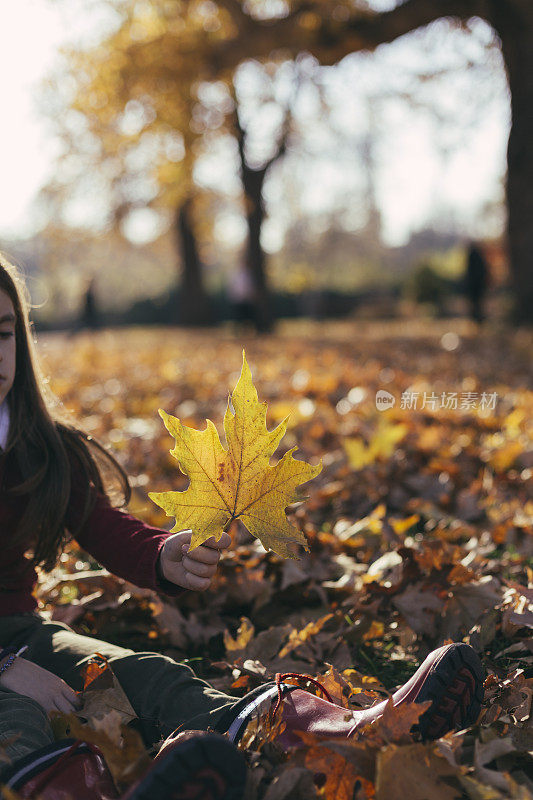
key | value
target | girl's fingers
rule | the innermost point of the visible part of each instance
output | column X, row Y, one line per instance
column 209, row 551
column 204, row 554
column 224, row 541
column 62, row 704
column 196, row 582
column 72, row 698
column 199, row 568
column 69, row 693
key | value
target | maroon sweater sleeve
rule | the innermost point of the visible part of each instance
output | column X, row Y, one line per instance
column 123, row 544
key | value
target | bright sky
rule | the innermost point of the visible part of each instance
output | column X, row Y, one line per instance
column 31, row 32
column 413, row 174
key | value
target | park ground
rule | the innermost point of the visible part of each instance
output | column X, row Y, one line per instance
column 420, row 531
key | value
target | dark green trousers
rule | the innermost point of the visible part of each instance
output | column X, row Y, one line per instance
column 164, row 693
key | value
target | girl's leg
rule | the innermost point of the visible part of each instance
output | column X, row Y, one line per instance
column 164, row 693
column 24, row 727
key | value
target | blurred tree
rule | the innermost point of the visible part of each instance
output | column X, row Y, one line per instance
column 253, row 177
column 132, row 127
column 331, row 29
column 141, row 92
column 194, row 307
column 139, row 98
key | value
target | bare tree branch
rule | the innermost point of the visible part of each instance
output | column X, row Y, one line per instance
column 331, row 40
column 375, row 29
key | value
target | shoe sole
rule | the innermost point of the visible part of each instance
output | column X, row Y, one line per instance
column 455, row 687
column 206, row 768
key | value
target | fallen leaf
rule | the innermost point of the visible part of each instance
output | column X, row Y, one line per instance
column 296, row 638
column 244, row 635
column 334, row 775
column 339, row 689
column 127, row 760
column 415, row 772
column 394, row 725
column 103, row 693
column 484, row 754
column 295, row 783
column 420, row 607
column 381, row 445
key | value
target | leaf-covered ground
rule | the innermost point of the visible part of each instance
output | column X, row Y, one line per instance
column 419, row 534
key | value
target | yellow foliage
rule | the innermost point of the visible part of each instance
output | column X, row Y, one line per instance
column 244, row 636
column 381, row 445
column 501, row 460
column 237, row 482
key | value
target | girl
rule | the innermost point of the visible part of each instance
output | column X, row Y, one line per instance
column 52, row 488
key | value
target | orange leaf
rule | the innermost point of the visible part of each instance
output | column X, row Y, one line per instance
column 338, row 775
column 395, row 723
column 94, row 669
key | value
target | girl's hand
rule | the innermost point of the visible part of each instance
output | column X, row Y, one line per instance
column 193, row 570
column 51, row 692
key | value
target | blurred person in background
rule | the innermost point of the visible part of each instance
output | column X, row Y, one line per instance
column 89, row 318
column 241, row 296
column 476, row 281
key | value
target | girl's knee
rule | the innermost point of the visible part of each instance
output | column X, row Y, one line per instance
column 24, row 727
column 23, row 707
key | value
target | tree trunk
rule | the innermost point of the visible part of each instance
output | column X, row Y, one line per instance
column 194, row 307
column 515, row 28
column 253, row 180
column 330, row 42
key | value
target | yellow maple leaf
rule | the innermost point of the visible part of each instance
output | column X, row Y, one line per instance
column 359, row 455
column 382, row 444
column 237, row 482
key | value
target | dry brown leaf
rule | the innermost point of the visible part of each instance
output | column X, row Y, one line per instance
column 416, row 772
column 466, row 605
column 127, row 761
column 337, row 687
column 295, row 783
column 111, row 724
column 171, row 622
column 394, row 725
column 103, row 693
column 296, row 638
column 421, row 607
column 459, row 519
column 335, row 776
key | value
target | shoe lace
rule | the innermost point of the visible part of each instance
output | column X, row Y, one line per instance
column 280, row 676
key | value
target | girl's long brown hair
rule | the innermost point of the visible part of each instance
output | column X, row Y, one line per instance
column 45, row 445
